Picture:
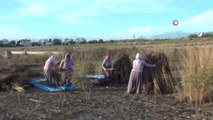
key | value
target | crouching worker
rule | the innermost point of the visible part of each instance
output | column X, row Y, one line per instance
column 135, row 79
column 66, row 66
column 48, row 70
column 107, row 65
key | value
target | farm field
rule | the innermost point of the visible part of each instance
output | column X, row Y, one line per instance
column 108, row 103
column 111, row 102
column 106, row 60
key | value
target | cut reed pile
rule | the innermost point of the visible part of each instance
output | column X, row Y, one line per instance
column 157, row 80
column 18, row 75
column 122, row 68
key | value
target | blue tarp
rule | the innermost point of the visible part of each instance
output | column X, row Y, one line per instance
column 36, row 83
column 97, row 76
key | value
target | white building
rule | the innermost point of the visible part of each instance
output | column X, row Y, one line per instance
column 4, row 42
column 25, row 42
column 201, row 34
column 80, row 40
column 45, row 42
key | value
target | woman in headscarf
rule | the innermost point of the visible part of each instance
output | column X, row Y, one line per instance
column 66, row 65
column 48, row 69
column 106, row 65
column 135, row 79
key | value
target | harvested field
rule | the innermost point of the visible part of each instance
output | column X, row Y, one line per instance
column 104, row 103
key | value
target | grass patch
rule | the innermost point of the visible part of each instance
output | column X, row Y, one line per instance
column 79, row 80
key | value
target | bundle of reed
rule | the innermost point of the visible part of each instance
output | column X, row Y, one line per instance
column 122, row 68
column 21, row 74
column 157, row 80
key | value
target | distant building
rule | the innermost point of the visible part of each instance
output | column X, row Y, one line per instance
column 24, row 42
column 206, row 34
column 68, row 41
column 80, row 40
column 36, row 44
column 46, row 42
column 4, row 42
column 201, row 34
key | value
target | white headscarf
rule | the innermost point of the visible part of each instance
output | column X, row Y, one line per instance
column 137, row 58
column 51, row 58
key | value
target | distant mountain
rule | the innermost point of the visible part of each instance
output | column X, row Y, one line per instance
column 171, row 35
column 211, row 33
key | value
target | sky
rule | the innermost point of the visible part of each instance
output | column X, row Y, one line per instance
column 102, row 19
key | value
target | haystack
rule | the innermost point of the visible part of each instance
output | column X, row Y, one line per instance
column 122, row 68
column 158, row 80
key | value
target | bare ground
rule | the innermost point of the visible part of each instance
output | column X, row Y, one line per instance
column 107, row 103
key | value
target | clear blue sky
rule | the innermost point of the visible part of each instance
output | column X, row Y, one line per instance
column 107, row 19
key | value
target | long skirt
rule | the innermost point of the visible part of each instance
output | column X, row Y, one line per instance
column 48, row 75
column 135, row 82
column 66, row 77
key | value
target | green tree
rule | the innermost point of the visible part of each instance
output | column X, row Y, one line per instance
column 101, row 41
column 192, row 36
column 56, row 41
column 12, row 43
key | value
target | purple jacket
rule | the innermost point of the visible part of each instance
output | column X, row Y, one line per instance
column 107, row 63
column 66, row 63
column 138, row 65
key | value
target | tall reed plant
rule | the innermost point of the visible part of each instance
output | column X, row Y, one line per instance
column 197, row 75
